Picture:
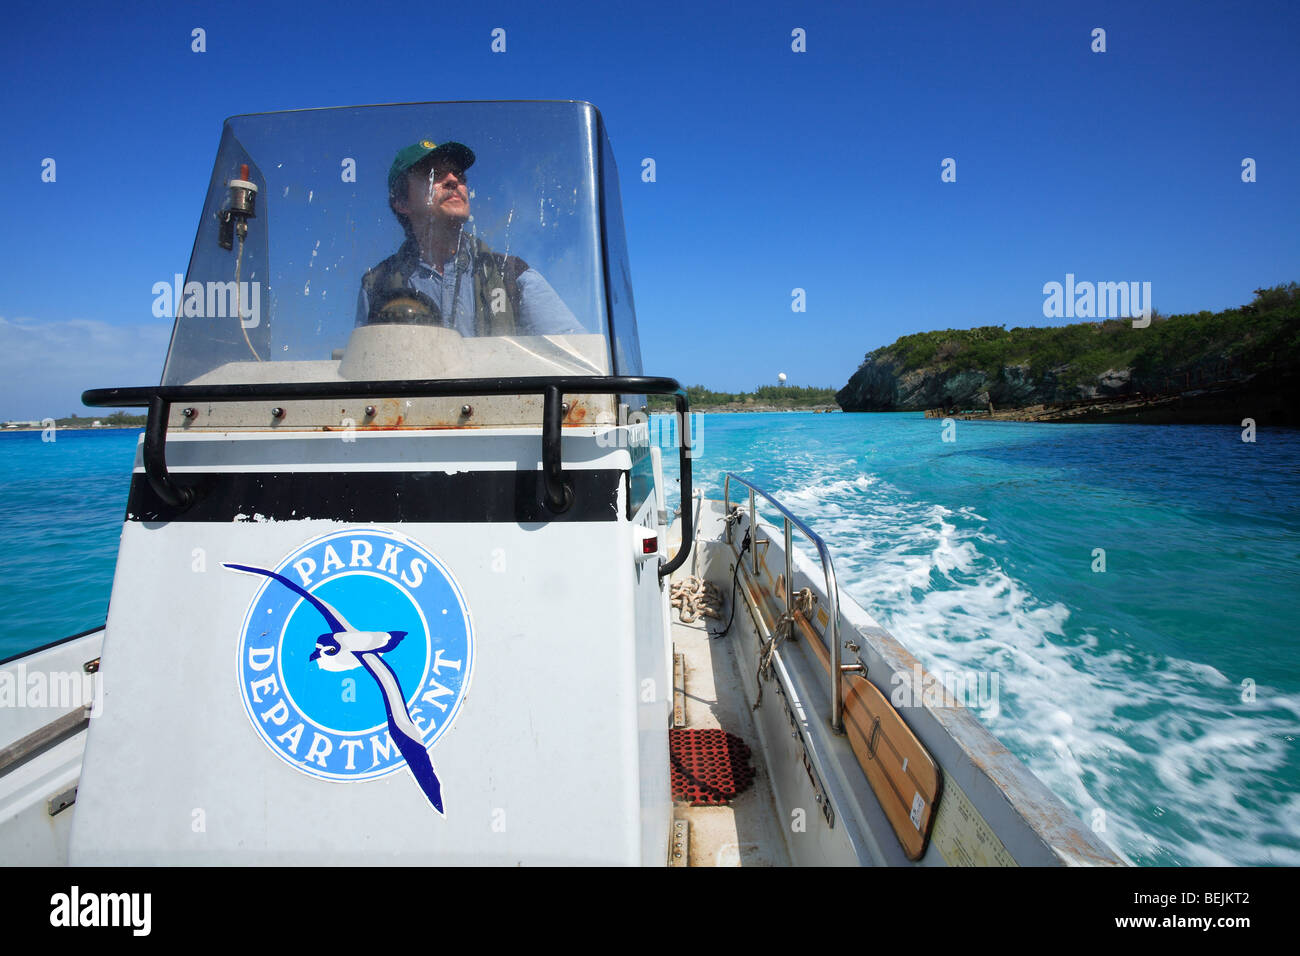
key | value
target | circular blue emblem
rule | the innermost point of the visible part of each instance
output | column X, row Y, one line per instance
column 355, row 656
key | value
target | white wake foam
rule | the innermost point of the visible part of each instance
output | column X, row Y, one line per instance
column 1165, row 748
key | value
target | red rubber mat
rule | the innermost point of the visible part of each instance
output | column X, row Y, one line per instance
column 709, row 767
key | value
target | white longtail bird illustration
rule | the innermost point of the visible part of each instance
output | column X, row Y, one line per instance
column 345, row 648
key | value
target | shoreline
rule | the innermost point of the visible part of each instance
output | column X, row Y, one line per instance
column 735, row 407
column 72, row 428
column 1219, row 403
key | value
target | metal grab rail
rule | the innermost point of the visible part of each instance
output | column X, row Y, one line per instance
column 552, row 388
column 828, row 570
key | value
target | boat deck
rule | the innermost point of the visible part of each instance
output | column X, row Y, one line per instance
column 748, row 831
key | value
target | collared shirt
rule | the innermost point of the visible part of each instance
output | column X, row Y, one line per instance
column 541, row 310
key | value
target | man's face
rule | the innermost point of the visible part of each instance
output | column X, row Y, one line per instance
column 436, row 194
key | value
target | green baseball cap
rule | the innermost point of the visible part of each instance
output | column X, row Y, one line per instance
column 408, row 157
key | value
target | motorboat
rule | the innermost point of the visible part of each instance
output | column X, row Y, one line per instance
column 406, row 575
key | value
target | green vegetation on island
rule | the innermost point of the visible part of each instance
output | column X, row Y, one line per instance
column 1261, row 332
column 115, row 420
column 1239, row 354
column 763, row 397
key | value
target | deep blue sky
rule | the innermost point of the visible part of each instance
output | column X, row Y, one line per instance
column 776, row 170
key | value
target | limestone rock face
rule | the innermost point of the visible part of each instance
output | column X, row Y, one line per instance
column 1202, row 367
column 882, row 385
column 1017, row 387
column 1115, row 381
column 873, row 388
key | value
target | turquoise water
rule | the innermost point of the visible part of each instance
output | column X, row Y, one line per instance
column 1122, row 690
column 61, row 509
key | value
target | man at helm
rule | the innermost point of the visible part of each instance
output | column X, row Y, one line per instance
column 444, row 276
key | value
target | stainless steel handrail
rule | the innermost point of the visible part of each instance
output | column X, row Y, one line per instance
column 828, row 571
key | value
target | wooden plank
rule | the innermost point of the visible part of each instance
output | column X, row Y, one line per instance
column 815, row 641
column 43, row 737
column 901, row 771
column 679, row 688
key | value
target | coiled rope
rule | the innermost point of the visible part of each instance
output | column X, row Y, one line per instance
column 695, row 598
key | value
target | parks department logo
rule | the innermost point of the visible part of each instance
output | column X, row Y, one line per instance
column 355, row 657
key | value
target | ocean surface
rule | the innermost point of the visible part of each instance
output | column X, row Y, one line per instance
column 1159, row 697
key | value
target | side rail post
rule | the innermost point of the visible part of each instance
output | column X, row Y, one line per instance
column 791, row 522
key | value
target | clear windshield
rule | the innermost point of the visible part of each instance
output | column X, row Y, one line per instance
column 367, row 252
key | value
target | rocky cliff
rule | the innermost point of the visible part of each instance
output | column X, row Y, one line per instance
column 1247, row 350
column 885, row 384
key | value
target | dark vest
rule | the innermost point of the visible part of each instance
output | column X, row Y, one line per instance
column 495, row 277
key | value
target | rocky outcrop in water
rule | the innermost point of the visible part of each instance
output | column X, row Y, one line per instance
column 1220, row 363
column 884, row 385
